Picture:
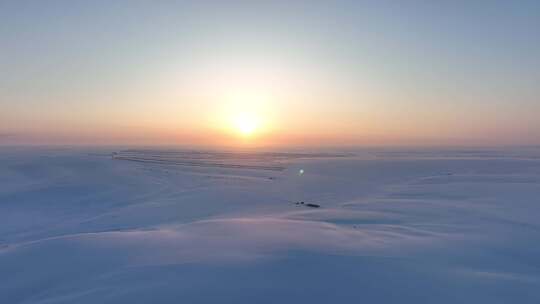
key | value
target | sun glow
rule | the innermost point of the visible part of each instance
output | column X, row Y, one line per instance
column 244, row 113
column 246, row 124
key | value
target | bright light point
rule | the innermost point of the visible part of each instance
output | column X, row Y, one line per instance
column 246, row 124
column 245, row 114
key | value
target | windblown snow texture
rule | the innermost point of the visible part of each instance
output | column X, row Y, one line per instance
column 394, row 226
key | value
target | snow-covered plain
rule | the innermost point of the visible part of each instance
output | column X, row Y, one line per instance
column 394, row 226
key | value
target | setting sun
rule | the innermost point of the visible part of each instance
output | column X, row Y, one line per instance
column 244, row 113
column 246, row 124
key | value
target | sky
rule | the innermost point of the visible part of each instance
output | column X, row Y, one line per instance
column 270, row 73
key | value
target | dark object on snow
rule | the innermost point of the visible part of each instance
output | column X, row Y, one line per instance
column 308, row 204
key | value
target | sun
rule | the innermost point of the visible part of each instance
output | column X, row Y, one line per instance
column 246, row 124
column 245, row 115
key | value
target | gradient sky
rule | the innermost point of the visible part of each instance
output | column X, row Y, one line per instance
column 310, row 72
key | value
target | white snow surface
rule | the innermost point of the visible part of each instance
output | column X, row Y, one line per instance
column 86, row 225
